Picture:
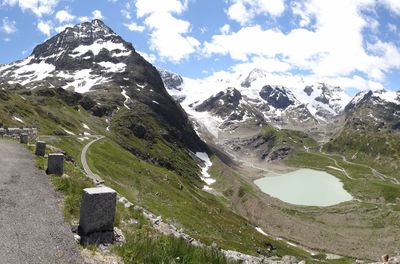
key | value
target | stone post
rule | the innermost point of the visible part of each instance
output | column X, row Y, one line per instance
column 40, row 148
column 96, row 223
column 55, row 164
column 23, row 138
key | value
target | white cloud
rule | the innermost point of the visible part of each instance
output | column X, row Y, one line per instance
column 149, row 57
column 7, row 40
column 134, row 27
column 126, row 11
column 83, row 19
column 393, row 5
column 168, row 34
column 38, row 7
column 62, row 27
column 96, row 14
column 64, row 16
column 333, row 47
column 243, row 11
column 8, row 26
column 392, row 27
column 147, row 7
column 225, row 29
column 45, row 27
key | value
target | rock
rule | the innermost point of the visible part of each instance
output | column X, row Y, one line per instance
column 96, row 223
column 118, row 235
column 289, row 260
column 385, row 258
column 138, row 208
column 77, row 238
column 277, row 97
column 125, row 202
column 214, row 245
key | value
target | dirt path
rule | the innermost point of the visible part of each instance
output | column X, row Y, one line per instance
column 32, row 227
column 96, row 178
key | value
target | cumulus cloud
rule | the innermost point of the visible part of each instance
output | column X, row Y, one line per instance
column 393, row 5
column 126, row 11
column 168, row 34
column 96, row 14
column 64, row 16
column 243, row 11
column 8, row 26
column 334, row 46
column 38, row 7
column 45, row 27
column 134, row 27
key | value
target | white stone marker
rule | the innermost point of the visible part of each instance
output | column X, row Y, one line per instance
column 23, row 138
column 40, row 148
column 55, row 164
column 96, row 223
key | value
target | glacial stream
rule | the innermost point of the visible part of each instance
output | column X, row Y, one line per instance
column 305, row 187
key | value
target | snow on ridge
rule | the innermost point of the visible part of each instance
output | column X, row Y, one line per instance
column 97, row 46
column 389, row 96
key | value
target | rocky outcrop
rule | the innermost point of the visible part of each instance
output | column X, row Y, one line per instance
column 278, row 97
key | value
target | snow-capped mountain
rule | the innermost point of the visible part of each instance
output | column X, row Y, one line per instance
column 91, row 59
column 237, row 98
column 374, row 110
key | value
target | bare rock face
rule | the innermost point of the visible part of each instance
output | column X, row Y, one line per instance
column 96, row 223
column 172, row 81
column 278, row 97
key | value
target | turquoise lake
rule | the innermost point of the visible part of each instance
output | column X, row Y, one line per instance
column 305, row 187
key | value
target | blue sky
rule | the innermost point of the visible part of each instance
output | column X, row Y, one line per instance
column 351, row 43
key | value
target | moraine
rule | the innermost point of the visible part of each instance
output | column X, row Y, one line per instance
column 305, row 187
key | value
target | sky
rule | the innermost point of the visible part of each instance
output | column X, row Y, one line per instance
column 354, row 44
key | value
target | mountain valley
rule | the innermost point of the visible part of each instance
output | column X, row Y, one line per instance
column 189, row 150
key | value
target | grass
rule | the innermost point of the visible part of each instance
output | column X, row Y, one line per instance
column 142, row 245
column 71, row 187
column 146, row 248
column 202, row 215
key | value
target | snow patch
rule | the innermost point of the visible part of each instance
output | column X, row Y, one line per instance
column 127, row 98
column 85, row 126
column 69, row 132
column 18, row 119
column 83, row 80
column 113, row 67
column 206, row 177
column 259, row 230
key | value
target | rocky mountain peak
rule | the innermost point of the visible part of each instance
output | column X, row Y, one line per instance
column 93, row 33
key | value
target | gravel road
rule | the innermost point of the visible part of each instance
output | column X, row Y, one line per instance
column 32, row 228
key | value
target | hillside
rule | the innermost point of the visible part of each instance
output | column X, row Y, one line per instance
column 88, row 81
